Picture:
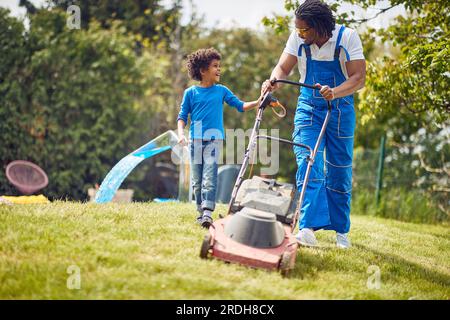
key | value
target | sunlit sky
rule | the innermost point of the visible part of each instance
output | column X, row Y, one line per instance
column 242, row 13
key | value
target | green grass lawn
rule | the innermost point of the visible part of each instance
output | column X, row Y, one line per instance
column 151, row 251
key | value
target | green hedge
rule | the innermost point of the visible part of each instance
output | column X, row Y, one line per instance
column 412, row 205
column 69, row 100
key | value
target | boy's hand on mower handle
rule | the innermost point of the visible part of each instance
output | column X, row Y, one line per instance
column 326, row 91
column 260, row 99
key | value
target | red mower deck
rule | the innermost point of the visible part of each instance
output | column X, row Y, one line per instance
column 216, row 244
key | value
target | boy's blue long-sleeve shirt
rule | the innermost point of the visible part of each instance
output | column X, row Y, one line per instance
column 205, row 105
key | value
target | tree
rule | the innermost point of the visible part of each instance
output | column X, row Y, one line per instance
column 149, row 20
column 74, row 102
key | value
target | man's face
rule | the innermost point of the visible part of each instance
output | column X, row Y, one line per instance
column 213, row 71
column 304, row 31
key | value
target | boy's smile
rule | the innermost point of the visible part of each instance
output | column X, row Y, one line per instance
column 211, row 75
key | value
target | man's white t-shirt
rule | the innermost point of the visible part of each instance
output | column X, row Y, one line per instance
column 350, row 41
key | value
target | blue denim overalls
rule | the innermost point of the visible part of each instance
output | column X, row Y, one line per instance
column 328, row 194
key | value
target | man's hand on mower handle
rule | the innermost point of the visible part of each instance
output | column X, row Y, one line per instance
column 326, row 92
column 267, row 86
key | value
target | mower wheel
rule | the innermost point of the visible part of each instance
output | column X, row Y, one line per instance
column 206, row 245
column 285, row 264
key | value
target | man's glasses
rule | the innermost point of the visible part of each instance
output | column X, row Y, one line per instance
column 302, row 31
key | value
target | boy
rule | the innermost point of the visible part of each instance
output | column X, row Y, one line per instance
column 204, row 102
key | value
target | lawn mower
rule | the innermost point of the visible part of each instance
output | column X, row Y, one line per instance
column 262, row 214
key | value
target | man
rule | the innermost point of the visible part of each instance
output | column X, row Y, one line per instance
column 329, row 56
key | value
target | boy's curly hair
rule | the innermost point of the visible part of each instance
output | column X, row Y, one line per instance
column 200, row 60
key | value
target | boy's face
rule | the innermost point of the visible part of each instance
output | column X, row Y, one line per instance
column 212, row 74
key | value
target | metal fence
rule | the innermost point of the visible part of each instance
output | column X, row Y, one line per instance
column 405, row 181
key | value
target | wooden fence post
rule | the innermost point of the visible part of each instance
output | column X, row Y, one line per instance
column 380, row 169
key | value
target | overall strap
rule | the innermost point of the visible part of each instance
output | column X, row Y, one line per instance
column 338, row 43
column 307, row 51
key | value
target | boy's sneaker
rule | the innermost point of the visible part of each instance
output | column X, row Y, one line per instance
column 306, row 237
column 207, row 219
column 342, row 240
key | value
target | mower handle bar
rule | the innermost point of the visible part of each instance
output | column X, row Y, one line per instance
column 286, row 141
column 300, row 84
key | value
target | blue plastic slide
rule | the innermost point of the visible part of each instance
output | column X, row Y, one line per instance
column 122, row 169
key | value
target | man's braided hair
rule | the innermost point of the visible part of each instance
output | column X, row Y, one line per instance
column 317, row 15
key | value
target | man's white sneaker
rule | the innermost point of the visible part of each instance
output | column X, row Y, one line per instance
column 306, row 237
column 342, row 240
